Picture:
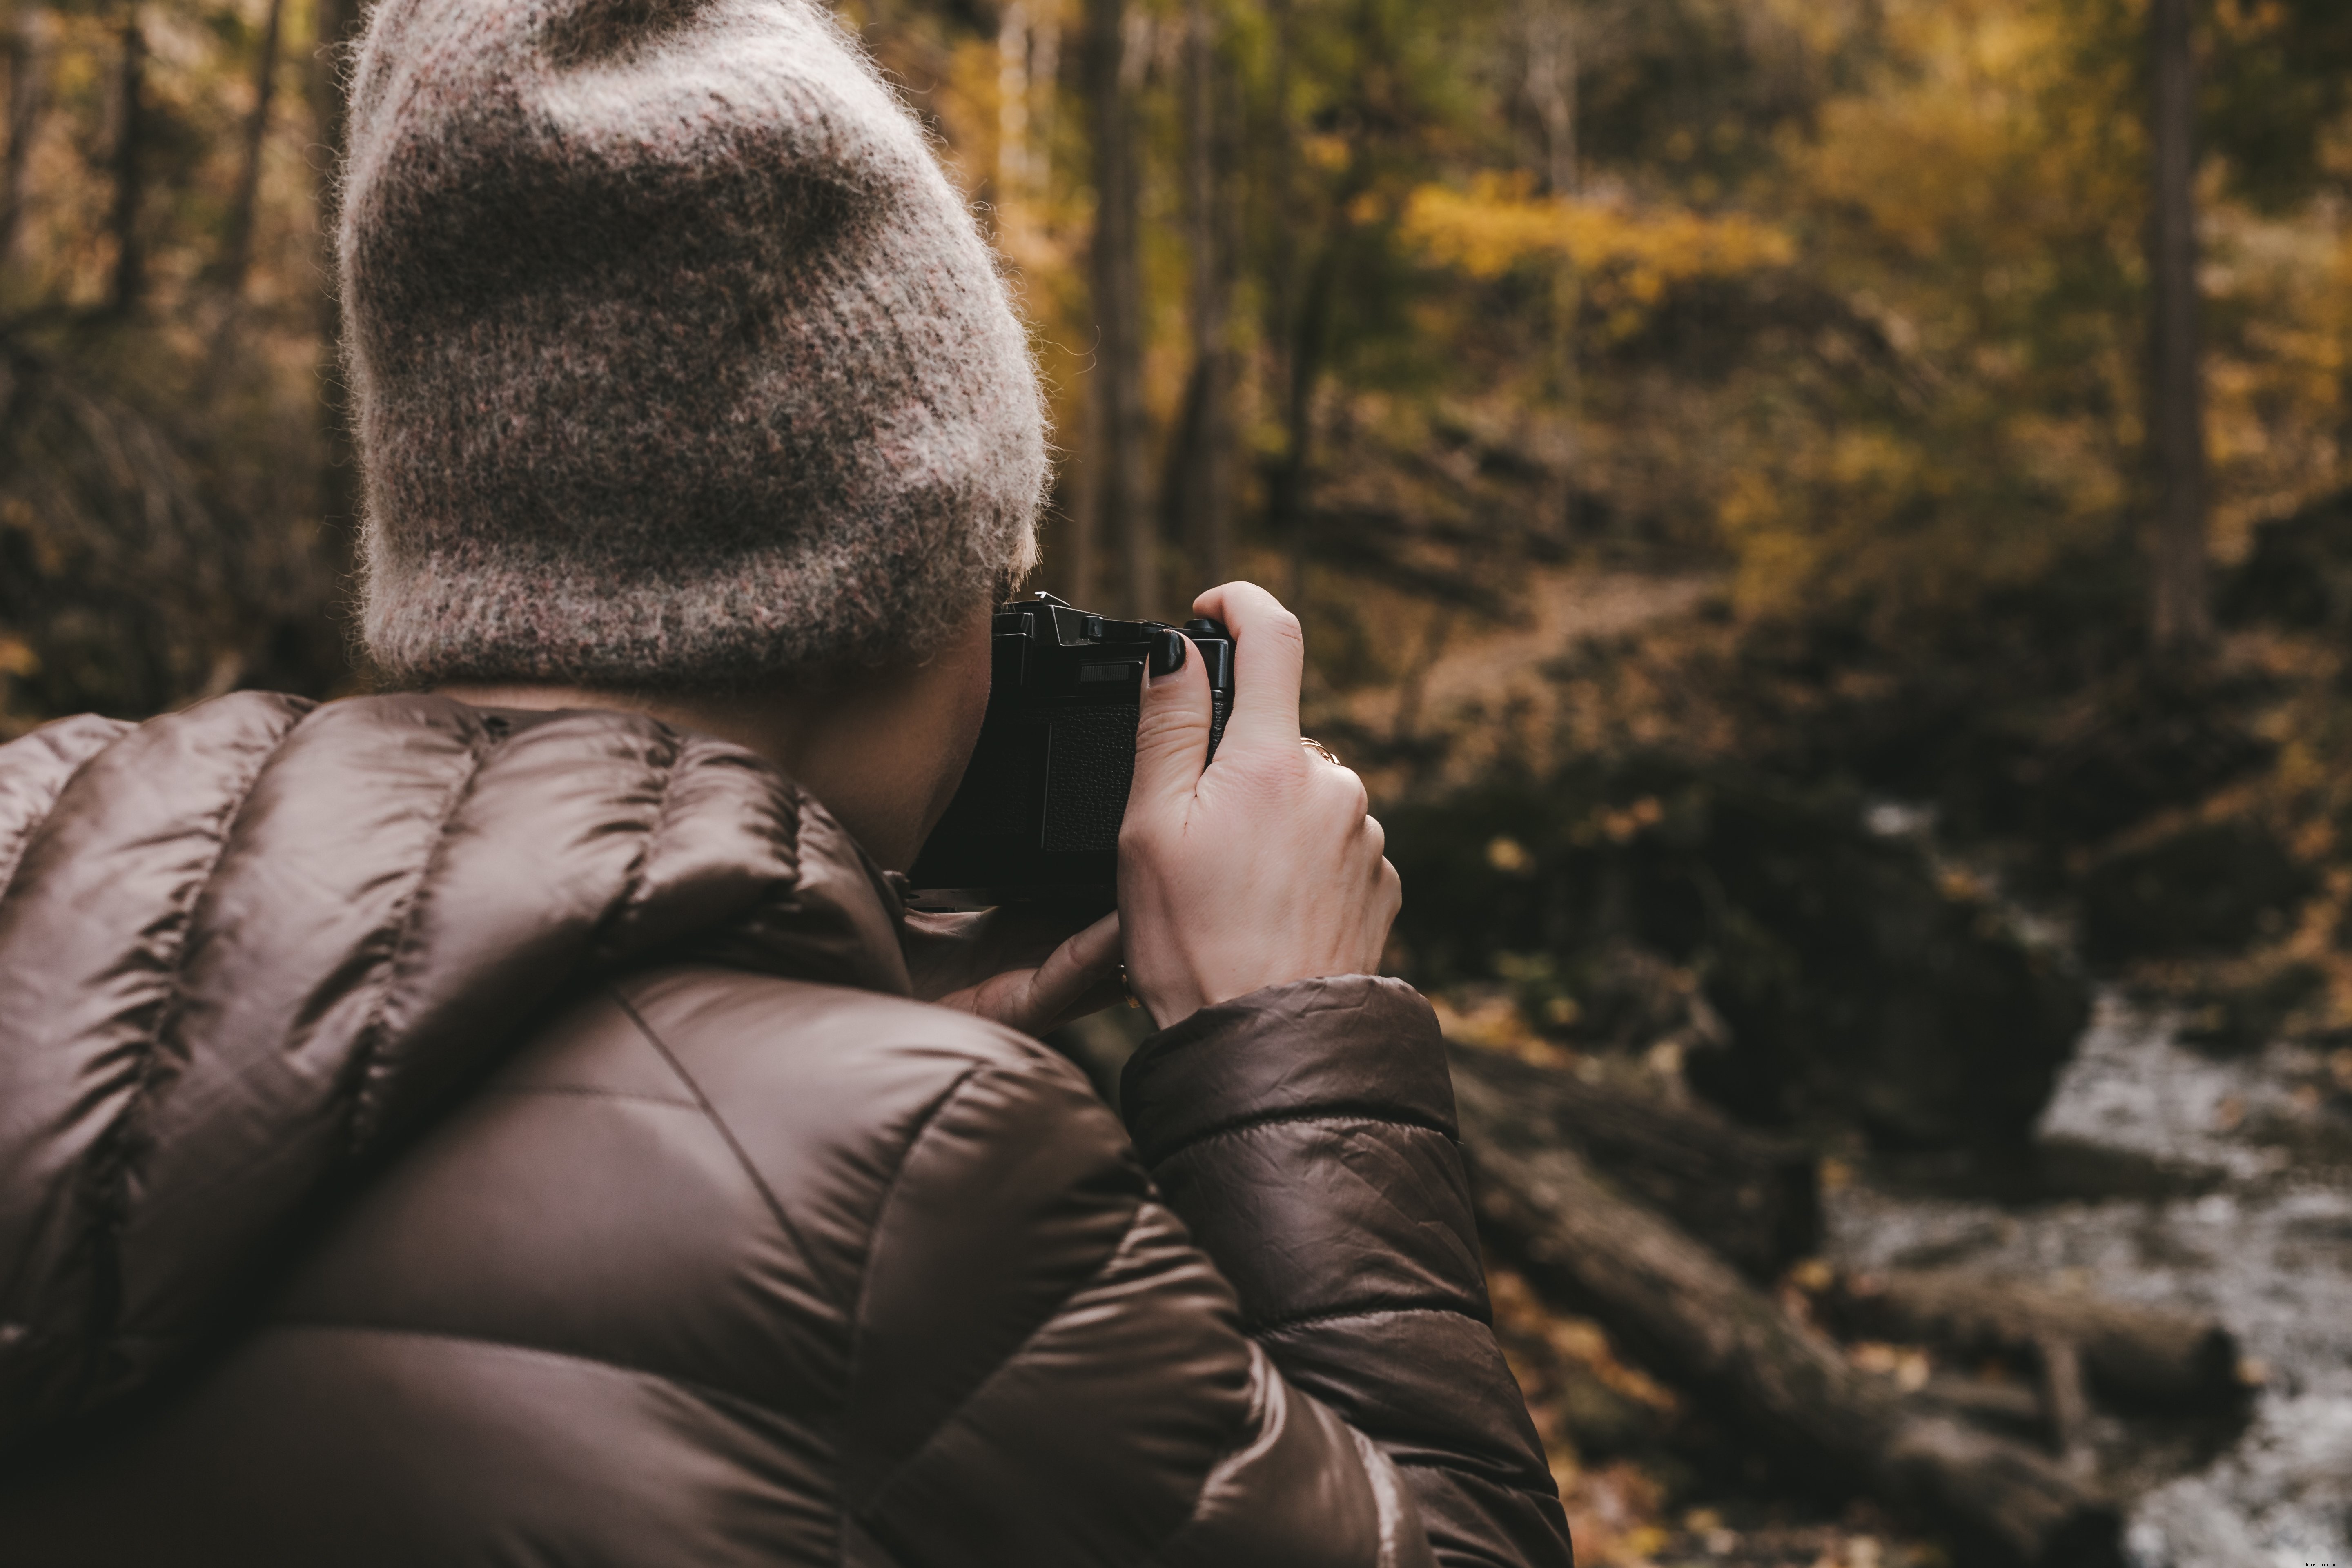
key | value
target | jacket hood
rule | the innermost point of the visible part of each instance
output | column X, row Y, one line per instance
column 245, row 948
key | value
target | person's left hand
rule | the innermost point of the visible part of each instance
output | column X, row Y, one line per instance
column 1018, row 968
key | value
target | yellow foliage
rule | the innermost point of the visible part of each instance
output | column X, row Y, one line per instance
column 1626, row 256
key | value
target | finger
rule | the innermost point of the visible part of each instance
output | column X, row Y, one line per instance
column 1102, row 993
column 938, row 945
column 1269, row 661
column 1171, row 737
column 1077, row 966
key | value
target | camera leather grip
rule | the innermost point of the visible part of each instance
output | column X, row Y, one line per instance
column 1089, row 765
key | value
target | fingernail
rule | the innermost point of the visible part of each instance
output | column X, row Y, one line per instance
column 1168, row 652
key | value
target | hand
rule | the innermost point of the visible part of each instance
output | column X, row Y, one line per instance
column 1013, row 966
column 1262, row 869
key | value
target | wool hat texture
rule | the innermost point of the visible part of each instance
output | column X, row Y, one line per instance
column 675, row 358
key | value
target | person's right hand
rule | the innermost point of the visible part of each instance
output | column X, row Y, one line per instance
column 1262, row 868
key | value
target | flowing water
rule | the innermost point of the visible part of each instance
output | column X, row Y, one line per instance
column 2227, row 1188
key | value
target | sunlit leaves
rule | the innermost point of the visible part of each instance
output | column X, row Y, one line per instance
column 1625, row 257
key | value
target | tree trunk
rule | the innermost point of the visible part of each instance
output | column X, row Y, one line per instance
column 1045, row 87
column 1121, row 510
column 1012, row 103
column 28, row 77
column 1685, row 1311
column 1552, row 88
column 2181, row 617
column 1199, row 485
column 2131, row 1354
column 1284, row 499
column 129, row 139
column 1290, row 498
column 238, row 255
column 1755, row 1200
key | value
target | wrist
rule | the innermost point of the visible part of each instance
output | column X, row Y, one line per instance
column 1362, row 1039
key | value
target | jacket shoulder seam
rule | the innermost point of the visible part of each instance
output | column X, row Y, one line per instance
column 931, row 1113
column 718, row 1123
column 921, row 1129
column 1047, row 1320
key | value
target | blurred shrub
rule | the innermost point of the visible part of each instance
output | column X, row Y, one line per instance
column 2210, row 887
column 1857, row 981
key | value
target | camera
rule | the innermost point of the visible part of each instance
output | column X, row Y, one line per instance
column 1037, row 814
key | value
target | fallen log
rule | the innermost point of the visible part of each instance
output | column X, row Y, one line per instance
column 2010, row 1407
column 1672, row 1303
column 2131, row 1356
column 1754, row 1199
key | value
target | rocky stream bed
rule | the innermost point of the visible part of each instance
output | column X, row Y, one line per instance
column 2218, row 1185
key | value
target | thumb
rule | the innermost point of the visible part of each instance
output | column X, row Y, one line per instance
column 1172, row 730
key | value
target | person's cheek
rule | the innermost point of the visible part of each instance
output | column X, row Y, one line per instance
column 965, row 709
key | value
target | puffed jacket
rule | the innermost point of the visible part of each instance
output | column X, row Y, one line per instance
column 440, row 1136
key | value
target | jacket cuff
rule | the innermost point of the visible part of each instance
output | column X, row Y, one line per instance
column 1361, row 1043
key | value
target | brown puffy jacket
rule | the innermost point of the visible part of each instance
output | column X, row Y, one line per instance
column 431, row 1136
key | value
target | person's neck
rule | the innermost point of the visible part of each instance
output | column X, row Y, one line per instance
column 865, row 743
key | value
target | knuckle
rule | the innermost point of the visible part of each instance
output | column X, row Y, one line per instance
column 1347, row 790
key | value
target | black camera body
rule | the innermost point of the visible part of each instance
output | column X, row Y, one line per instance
column 1038, row 812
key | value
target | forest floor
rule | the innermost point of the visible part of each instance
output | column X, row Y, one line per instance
column 2236, row 1202
column 1611, row 1430
column 1478, row 672
column 1623, row 1512
column 2075, row 827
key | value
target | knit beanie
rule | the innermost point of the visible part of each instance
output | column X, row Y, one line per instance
column 676, row 360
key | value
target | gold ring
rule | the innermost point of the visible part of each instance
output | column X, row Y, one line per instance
column 1320, row 750
column 1132, row 999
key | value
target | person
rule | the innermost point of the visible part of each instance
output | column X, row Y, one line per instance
column 509, row 1119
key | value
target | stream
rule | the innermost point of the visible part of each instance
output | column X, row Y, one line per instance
column 2223, row 1185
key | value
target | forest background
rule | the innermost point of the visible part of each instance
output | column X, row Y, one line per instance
column 1759, row 477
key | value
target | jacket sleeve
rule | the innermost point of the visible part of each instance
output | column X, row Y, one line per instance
column 1050, row 1372
column 1306, row 1136
column 1046, row 1372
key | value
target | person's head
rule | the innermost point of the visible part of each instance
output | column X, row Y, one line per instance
column 681, row 369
